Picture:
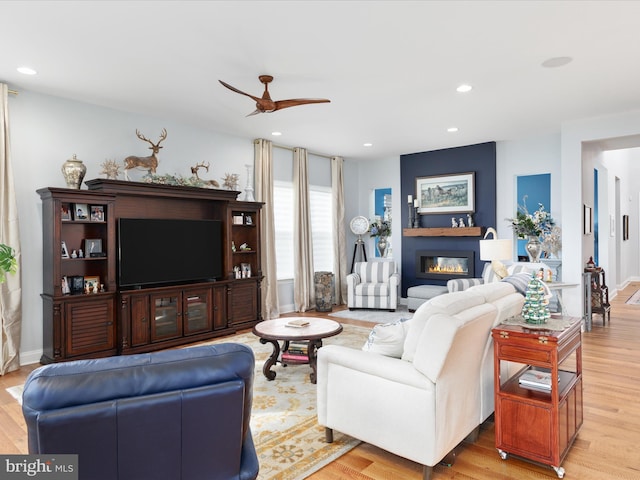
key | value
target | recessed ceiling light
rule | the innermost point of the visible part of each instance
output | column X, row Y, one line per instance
column 464, row 88
column 557, row 62
column 276, row 134
column 27, row 70
column 452, row 129
column 367, row 144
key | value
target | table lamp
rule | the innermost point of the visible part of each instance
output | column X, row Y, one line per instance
column 495, row 250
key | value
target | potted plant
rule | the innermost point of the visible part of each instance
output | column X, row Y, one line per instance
column 8, row 262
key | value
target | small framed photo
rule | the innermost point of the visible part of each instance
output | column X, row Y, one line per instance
column 248, row 220
column 65, row 212
column 91, row 284
column 246, row 270
column 76, row 284
column 65, row 286
column 97, row 213
column 80, row 211
column 65, row 251
column 93, row 247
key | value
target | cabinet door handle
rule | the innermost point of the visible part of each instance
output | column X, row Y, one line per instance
column 143, row 319
column 109, row 323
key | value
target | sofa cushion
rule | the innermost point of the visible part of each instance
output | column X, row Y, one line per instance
column 449, row 303
column 492, row 291
column 519, row 281
column 388, row 338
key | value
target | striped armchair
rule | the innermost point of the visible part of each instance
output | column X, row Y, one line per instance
column 373, row 285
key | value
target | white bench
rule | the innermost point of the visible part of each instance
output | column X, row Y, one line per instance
column 419, row 294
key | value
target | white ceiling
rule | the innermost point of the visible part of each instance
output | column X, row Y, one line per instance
column 390, row 68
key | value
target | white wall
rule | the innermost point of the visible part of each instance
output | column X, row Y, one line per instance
column 574, row 151
column 623, row 165
column 373, row 175
column 528, row 156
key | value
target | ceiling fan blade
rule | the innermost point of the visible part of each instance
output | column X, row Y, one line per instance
column 234, row 89
column 294, row 102
column 255, row 112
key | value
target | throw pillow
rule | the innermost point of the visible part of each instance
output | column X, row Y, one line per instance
column 388, row 338
column 519, row 281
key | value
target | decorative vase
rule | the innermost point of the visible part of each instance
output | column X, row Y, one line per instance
column 382, row 246
column 74, row 171
column 534, row 248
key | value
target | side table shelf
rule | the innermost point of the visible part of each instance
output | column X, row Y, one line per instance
column 538, row 424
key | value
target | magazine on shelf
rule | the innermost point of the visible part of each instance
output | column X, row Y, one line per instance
column 536, row 379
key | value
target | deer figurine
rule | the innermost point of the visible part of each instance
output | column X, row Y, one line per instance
column 208, row 183
column 145, row 163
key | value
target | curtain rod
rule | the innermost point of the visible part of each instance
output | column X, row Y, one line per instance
column 308, row 152
column 13, row 92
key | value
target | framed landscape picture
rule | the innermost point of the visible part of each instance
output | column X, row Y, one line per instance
column 446, row 193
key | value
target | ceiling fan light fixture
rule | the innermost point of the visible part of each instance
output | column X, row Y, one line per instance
column 464, row 88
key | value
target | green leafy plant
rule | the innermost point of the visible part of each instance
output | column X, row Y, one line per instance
column 533, row 224
column 8, row 262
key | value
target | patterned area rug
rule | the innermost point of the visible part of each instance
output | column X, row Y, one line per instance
column 634, row 299
column 374, row 316
column 289, row 442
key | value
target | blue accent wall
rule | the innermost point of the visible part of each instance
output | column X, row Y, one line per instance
column 536, row 189
column 480, row 159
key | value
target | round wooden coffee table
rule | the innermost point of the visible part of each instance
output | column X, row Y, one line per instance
column 277, row 330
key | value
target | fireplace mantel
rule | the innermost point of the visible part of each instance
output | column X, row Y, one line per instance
column 444, row 232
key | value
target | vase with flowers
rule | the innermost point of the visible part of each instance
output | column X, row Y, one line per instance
column 533, row 226
column 381, row 229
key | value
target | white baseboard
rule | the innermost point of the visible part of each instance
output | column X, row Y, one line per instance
column 28, row 358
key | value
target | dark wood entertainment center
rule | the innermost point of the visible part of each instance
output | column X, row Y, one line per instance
column 109, row 320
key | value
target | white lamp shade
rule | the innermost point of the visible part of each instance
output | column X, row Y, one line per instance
column 496, row 249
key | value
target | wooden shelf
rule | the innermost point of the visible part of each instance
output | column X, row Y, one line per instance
column 444, row 232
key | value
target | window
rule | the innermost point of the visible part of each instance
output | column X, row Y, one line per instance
column 320, row 206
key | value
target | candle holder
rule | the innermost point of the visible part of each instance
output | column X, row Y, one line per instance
column 416, row 218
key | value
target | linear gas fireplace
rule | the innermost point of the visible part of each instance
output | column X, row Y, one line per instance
column 445, row 264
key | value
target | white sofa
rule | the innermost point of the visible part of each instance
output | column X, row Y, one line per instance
column 437, row 393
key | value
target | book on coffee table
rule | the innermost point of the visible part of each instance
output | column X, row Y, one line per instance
column 298, row 323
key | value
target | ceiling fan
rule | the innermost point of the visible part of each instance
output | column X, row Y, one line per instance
column 266, row 105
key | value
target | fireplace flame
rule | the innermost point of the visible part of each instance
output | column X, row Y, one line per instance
column 446, row 269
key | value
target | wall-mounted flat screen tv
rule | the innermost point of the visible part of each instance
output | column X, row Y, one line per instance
column 154, row 252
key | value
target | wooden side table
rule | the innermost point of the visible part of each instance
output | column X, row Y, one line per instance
column 536, row 424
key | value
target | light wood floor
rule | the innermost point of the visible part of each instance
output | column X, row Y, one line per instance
column 606, row 447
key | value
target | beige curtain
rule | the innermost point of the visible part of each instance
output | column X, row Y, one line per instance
column 10, row 291
column 263, row 160
column 303, row 288
column 339, row 235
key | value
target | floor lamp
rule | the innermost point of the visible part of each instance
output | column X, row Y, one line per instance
column 495, row 250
